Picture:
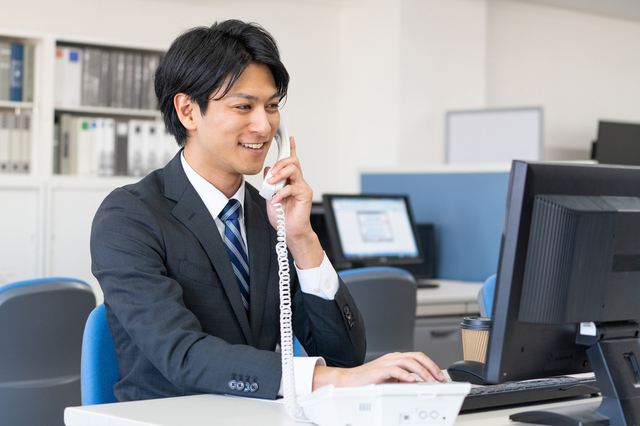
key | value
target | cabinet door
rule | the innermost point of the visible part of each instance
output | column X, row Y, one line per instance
column 20, row 227
column 71, row 213
column 440, row 339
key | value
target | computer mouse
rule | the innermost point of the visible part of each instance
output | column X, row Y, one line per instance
column 467, row 371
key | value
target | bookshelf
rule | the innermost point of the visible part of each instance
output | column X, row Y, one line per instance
column 106, row 120
column 16, row 105
column 46, row 228
column 17, row 102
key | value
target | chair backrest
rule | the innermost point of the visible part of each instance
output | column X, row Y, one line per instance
column 99, row 362
column 41, row 323
column 485, row 297
column 386, row 298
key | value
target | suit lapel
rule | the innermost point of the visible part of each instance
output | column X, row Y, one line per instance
column 261, row 248
column 193, row 214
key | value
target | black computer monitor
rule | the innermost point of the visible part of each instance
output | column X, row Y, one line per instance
column 618, row 143
column 371, row 230
column 570, row 256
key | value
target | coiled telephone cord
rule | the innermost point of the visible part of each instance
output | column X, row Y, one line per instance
column 286, row 331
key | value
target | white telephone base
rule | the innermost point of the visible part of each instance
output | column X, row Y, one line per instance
column 387, row 404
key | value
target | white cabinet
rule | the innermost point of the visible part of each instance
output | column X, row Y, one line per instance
column 21, row 228
column 439, row 338
column 72, row 203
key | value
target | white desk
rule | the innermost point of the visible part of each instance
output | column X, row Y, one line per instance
column 208, row 410
column 450, row 298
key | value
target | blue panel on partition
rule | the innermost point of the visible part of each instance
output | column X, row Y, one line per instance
column 467, row 210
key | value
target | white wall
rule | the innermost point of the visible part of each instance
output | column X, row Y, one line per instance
column 579, row 67
column 368, row 97
column 403, row 64
column 442, row 68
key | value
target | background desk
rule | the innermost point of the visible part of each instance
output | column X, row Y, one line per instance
column 439, row 312
column 207, row 410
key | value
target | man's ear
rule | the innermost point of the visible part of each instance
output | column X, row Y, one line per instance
column 185, row 108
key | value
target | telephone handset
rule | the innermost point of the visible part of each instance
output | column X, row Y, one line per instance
column 268, row 190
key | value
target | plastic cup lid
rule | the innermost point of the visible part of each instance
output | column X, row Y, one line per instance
column 476, row 323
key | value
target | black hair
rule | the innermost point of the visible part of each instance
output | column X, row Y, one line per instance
column 204, row 60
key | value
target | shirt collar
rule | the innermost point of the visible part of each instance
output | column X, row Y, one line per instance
column 213, row 199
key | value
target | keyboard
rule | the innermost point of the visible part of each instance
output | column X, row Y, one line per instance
column 528, row 391
column 426, row 283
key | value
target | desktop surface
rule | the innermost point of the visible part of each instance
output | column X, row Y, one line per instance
column 448, row 298
column 205, row 410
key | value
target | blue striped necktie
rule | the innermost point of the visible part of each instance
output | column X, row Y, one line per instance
column 235, row 246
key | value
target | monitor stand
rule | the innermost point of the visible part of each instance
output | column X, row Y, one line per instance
column 614, row 354
column 571, row 415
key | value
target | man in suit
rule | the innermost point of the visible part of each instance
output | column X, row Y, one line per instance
column 191, row 298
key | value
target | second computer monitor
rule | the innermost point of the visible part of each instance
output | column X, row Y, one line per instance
column 618, row 143
column 371, row 230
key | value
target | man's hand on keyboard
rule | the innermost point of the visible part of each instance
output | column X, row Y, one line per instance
column 392, row 367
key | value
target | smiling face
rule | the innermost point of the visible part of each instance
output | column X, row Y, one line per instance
column 234, row 135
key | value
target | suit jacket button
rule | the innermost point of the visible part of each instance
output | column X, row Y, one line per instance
column 254, row 387
column 232, row 384
column 240, row 385
column 347, row 312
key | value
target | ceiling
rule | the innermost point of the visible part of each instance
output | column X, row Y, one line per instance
column 622, row 9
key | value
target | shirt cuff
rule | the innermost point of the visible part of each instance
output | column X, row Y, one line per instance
column 321, row 281
column 303, row 368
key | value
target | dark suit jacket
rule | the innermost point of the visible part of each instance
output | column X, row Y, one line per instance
column 173, row 303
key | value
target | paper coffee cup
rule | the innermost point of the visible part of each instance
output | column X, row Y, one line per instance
column 475, row 335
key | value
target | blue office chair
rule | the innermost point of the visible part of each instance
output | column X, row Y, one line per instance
column 386, row 298
column 485, row 296
column 41, row 323
column 99, row 362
